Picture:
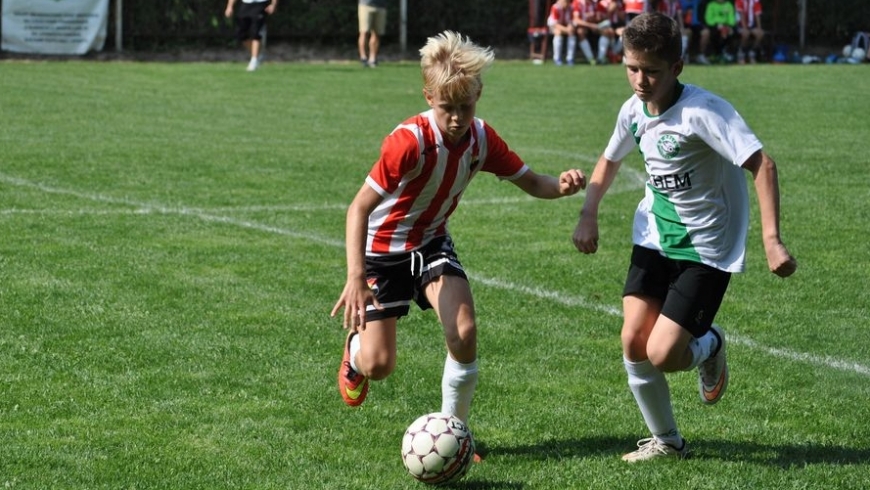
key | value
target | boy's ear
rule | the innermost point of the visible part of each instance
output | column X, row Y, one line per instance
column 428, row 97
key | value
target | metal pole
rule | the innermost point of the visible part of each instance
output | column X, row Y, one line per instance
column 119, row 29
column 403, row 26
column 802, row 18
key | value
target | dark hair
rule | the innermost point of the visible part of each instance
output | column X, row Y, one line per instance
column 654, row 33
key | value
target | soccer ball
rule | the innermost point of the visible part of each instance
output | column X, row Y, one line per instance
column 847, row 51
column 437, row 449
column 858, row 54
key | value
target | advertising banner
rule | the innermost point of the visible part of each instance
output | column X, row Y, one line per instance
column 54, row 26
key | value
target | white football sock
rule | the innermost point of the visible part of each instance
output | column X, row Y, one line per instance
column 702, row 348
column 653, row 396
column 572, row 48
column 557, row 47
column 457, row 387
column 354, row 349
column 587, row 50
column 617, row 45
column 603, row 44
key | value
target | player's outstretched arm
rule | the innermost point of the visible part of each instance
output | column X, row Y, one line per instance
column 585, row 236
column 766, row 179
column 542, row 186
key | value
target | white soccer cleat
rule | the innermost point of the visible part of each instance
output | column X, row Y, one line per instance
column 713, row 373
column 253, row 64
column 652, row 448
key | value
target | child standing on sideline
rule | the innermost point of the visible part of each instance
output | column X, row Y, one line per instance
column 251, row 26
column 689, row 230
column 399, row 249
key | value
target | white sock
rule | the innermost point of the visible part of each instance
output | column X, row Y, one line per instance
column 457, row 387
column 557, row 47
column 603, row 44
column 572, row 47
column 653, row 396
column 587, row 50
column 685, row 45
column 354, row 349
column 617, row 45
column 702, row 348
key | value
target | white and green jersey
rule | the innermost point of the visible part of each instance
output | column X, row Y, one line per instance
column 696, row 204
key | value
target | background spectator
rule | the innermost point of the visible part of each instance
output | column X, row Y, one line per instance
column 721, row 20
column 372, row 25
column 749, row 28
column 251, row 26
column 561, row 28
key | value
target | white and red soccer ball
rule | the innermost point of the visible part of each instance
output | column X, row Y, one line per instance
column 437, row 449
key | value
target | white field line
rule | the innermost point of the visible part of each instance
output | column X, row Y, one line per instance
column 581, row 302
column 555, row 296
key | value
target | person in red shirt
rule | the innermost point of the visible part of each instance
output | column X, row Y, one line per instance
column 399, row 249
column 561, row 28
column 748, row 26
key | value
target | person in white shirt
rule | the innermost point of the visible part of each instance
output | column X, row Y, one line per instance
column 689, row 230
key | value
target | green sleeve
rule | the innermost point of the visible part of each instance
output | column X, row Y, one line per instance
column 712, row 14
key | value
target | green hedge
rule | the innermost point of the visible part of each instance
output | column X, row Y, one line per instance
column 175, row 23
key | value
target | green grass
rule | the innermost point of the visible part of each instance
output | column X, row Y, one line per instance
column 172, row 243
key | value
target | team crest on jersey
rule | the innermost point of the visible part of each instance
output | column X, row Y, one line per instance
column 668, row 146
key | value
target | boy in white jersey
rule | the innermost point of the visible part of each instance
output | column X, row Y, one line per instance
column 399, row 249
column 689, row 230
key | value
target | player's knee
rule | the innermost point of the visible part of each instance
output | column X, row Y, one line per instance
column 657, row 357
column 664, row 358
column 634, row 344
column 378, row 367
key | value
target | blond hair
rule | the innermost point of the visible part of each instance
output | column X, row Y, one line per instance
column 452, row 66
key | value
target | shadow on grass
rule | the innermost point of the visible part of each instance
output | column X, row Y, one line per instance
column 780, row 456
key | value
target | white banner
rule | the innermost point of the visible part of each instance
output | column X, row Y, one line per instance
column 54, row 26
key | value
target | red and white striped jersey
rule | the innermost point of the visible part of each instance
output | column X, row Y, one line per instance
column 590, row 10
column 421, row 178
column 559, row 15
column 749, row 8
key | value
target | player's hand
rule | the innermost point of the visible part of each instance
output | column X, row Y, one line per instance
column 586, row 235
column 779, row 261
column 228, row 12
column 571, row 182
column 355, row 297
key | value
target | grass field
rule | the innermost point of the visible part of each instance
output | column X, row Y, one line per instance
column 172, row 243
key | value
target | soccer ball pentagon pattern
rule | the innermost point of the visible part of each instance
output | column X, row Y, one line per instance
column 437, row 449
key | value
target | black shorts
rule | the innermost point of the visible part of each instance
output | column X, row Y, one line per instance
column 690, row 292
column 398, row 279
column 251, row 20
